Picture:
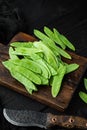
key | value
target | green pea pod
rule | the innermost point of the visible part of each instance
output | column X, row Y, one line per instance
column 21, row 78
column 26, row 51
column 63, row 40
column 44, row 81
column 22, row 44
column 25, row 72
column 42, row 36
column 57, row 50
column 11, row 55
column 57, row 39
column 49, row 33
column 42, row 62
column 33, row 57
column 85, row 83
column 46, row 40
column 83, row 96
column 45, row 70
column 29, row 74
column 71, row 67
column 30, row 86
column 67, row 42
column 63, row 53
column 52, row 70
column 36, row 58
column 49, row 55
column 28, row 64
column 57, row 80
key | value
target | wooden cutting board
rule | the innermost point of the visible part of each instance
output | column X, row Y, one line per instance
column 44, row 96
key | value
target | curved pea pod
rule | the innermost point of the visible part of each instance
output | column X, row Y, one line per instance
column 45, row 71
column 58, row 40
column 67, row 42
column 28, row 64
column 29, row 74
column 49, row 33
column 85, row 83
column 63, row 53
column 51, row 45
column 43, row 37
column 38, row 60
column 30, row 86
column 52, row 70
column 83, row 96
column 55, row 36
column 57, row 80
column 49, row 55
column 25, row 72
column 12, row 56
column 26, row 51
column 22, row 44
column 63, row 40
column 42, row 62
column 46, row 40
column 71, row 67
column 44, row 81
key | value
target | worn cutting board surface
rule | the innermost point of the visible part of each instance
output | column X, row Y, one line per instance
column 68, row 88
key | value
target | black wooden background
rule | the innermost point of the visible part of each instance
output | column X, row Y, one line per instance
column 70, row 18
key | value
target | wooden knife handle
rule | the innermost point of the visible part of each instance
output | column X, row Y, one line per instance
column 66, row 121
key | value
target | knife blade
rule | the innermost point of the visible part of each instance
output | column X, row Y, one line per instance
column 44, row 120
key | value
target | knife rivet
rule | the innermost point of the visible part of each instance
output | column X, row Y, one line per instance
column 54, row 119
column 71, row 120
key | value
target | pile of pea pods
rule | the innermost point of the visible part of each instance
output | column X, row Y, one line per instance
column 40, row 63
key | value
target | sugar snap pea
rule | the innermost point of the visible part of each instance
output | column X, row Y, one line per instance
column 30, row 86
column 28, row 64
column 49, row 55
column 40, row 62
column 49, row 33
column 54, row 37
column 26, row 72
column 63, row 40
column 83, row 96
column 42, row 36
column 85, row 83
column 11, row 55
column 45, row 70
column 26, row 51
column 29, row 74
column 44, row 81
column 67, row 42
column 21, row 78
column 52, row 70
column 51, row 44
column 57, row 80
column 22, row 44
column 36, row 58
column 71, row 67
column 46, row 40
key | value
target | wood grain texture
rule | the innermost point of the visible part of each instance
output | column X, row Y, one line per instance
column 70, row 83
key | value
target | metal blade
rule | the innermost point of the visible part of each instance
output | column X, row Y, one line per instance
column 25, row 118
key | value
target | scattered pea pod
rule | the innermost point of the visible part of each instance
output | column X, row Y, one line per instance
column 83, row 95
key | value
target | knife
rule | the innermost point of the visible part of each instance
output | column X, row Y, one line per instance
column 43, row 120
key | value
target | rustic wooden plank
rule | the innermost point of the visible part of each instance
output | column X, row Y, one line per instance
column 70, row 83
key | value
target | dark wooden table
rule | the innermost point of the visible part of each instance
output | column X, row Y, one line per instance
column 70, row 18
